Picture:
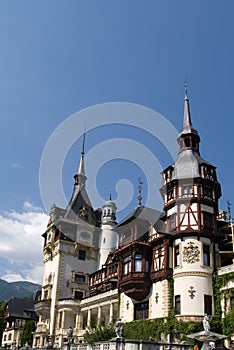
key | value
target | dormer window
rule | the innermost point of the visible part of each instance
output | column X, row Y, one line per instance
column 194, row 144
column 187, row 191
column 167, row 176
column 187, row 142
column 209, row 173
column 207, row 192
column 170, row 194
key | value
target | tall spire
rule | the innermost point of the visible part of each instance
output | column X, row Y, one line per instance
column 80, row 205
column 188, row 137
column 187, row 117
column 80, row 177
column 81, row 169
column 187, row 126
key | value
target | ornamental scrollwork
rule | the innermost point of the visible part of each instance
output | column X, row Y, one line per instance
column 191, row 253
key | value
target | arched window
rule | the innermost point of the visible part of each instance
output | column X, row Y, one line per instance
column 138, row 263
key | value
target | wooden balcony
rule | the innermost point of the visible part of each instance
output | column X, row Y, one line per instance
column 162, row 274
column 103, row 287
column 136, row 285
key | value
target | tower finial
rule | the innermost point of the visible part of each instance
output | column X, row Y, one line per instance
column 185, row 89
column 81, row 169
column 229, row 210
column 188, row 132
column 187, row 117
column 140, row 183
column 110, row 197
column 83, row 145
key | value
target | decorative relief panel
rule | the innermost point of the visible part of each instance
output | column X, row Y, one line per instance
column 191, row 253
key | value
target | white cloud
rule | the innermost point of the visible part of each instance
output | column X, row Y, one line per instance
column 13, row 277
column 28, row 206
column 22, row 244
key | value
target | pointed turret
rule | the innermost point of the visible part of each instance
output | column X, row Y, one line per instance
column 80, row 204
column 187, row 126
column 188, row 137
column 191, row 191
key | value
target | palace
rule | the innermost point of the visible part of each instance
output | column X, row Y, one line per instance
column 97, row 270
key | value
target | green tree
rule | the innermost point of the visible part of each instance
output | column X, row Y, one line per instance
column 2, row 320
column 99, row 333
column 27, row 333
column 228, row 324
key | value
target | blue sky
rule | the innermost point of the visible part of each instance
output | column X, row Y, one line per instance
column 59, row 57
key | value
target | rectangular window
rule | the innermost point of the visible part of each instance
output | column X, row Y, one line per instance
column 187, row 191
column 172, row 222
column 208, row 304
column 79, row 278
column 207, row 192
column 78, row 295
column 170, row 195
column 81, row 254
column 208, row 219
column 147, row 266
column 178, row 304
column 206, row 255
column 127, row 265
column 177, row 255
column 138, row 263
column 231, row 303
column 159, row 259
column 141, row 310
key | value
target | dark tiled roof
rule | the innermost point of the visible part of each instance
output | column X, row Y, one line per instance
column 16, row 307
column 152, row 216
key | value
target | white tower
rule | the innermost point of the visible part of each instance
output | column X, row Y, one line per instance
column 191, row 192
column 109, row 238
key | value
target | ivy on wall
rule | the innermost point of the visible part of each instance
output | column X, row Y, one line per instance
column 145, row 329
column 224, row 325
column 157, row 329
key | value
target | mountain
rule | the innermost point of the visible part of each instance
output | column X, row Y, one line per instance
column 17, row 289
